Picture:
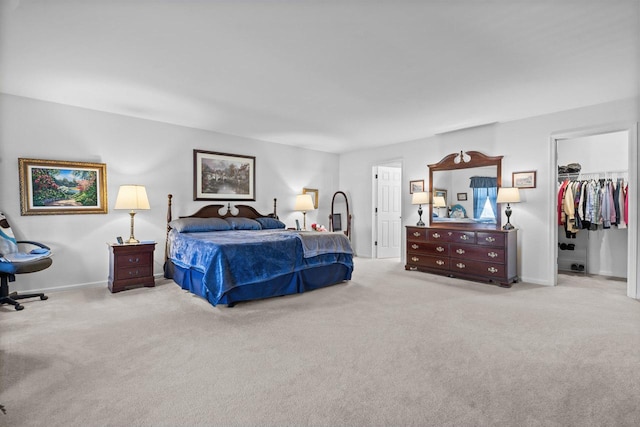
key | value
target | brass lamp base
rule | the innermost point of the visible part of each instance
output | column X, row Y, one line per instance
column 132, row 240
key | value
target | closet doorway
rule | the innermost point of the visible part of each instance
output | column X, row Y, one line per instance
column 387, row 215
column 603, row 253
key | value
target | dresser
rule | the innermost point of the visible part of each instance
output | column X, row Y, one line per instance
column 479, row 254
column 131, row 266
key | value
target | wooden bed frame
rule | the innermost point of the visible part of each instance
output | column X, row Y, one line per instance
column 213, row 211
column 308, row 277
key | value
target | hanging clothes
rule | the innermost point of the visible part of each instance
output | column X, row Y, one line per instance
column 592, row 204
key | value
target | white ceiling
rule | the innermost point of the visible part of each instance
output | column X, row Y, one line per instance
column 328, row 75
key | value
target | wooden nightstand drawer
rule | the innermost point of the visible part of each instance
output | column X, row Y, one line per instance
column 133, row 272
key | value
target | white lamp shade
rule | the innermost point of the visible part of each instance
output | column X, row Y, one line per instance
column 508, row 195
column 304, row 203
column 132, row 197
column 438, row 202
column 420, row 198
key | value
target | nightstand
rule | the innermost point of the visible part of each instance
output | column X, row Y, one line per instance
column 131, row 266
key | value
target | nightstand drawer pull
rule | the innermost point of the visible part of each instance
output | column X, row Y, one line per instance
column 415, row 259
column 440, row 249
column 417, row 233
column 436, row 235
column 414, row 246
column 490, row 239
column 134, row 273
column 440, row 262
column 492, row 254
column 464, row 237
column 460, row 251
column 460, row 265
column 492, row 270
column 134, row 260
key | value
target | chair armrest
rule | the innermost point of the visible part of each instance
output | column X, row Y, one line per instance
column 43, row 246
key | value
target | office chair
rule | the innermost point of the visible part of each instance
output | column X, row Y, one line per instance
column 13, row 262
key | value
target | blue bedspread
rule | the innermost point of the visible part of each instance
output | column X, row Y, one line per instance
column 228, row 259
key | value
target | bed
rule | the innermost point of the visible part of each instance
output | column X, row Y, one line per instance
column 228, row 255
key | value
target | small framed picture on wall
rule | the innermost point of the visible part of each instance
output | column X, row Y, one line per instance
column 523, row 179
column 462, row 197
column 416, row 186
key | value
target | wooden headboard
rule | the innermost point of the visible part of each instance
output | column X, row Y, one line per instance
column 213, row 211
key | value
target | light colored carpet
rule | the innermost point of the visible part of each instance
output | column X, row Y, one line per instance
column 389, row 348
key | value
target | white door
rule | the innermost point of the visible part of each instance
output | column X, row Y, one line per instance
column 389, row 236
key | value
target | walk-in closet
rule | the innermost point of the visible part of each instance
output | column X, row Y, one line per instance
column 593, row 182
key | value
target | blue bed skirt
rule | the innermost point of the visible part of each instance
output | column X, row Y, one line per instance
column 292, row 283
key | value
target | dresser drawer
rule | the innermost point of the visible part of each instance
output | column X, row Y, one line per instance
column 416, row 234
column 435, row 235
column 478, row 268
column 420, row 260
column 428, row 248
column 491, row 239
column 479, row 253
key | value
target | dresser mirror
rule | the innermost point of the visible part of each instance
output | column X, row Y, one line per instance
column 457, row 183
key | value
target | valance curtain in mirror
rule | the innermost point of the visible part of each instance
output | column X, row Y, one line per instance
column 484, row 187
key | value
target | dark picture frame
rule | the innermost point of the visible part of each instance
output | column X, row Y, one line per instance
column 336, row 222
column 223, row 176
column 60, row 187
column 461, row 197
column 416, row 186
column 525, row 179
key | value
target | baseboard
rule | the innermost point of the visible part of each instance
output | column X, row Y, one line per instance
column 100, row 284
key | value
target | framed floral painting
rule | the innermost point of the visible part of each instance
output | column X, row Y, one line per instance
column 57, row 187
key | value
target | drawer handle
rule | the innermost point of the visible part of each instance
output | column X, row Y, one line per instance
column 414, row 246
column 460, row 265
column 492, row 254
column 464, row 237
column 413, row 268
column 440, row 262
column 490, row 239
column 440, row 249
column 492, row 270
column 417, row 233
column 415, row 259
column 460, row 251
column 134, row 273
column 436, row 235
column 132, row 260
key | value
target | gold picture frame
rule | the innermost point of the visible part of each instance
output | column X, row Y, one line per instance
column 59, row 187
column 314, row 195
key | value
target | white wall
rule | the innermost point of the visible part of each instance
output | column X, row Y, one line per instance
column 525, row 145
column 157, row 155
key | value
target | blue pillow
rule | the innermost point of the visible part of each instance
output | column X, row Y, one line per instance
column 270, row 223
column 195, row 225
column 243, row 224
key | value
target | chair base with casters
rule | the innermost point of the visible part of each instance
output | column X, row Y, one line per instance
column 8, row 275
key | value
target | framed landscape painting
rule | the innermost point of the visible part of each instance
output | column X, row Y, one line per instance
column 416, row 186
column 222, row 176
column 57, row 187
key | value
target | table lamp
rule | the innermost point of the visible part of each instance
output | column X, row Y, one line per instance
column 304, row 203
column 439, row 202
column 508, row 195
column 420, row 198
column 132, row 197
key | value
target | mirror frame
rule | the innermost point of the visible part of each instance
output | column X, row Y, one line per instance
column 347, row 232
column 476, row 159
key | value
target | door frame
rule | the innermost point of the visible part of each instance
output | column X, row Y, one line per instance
column 374, row 203
column 633, row 287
